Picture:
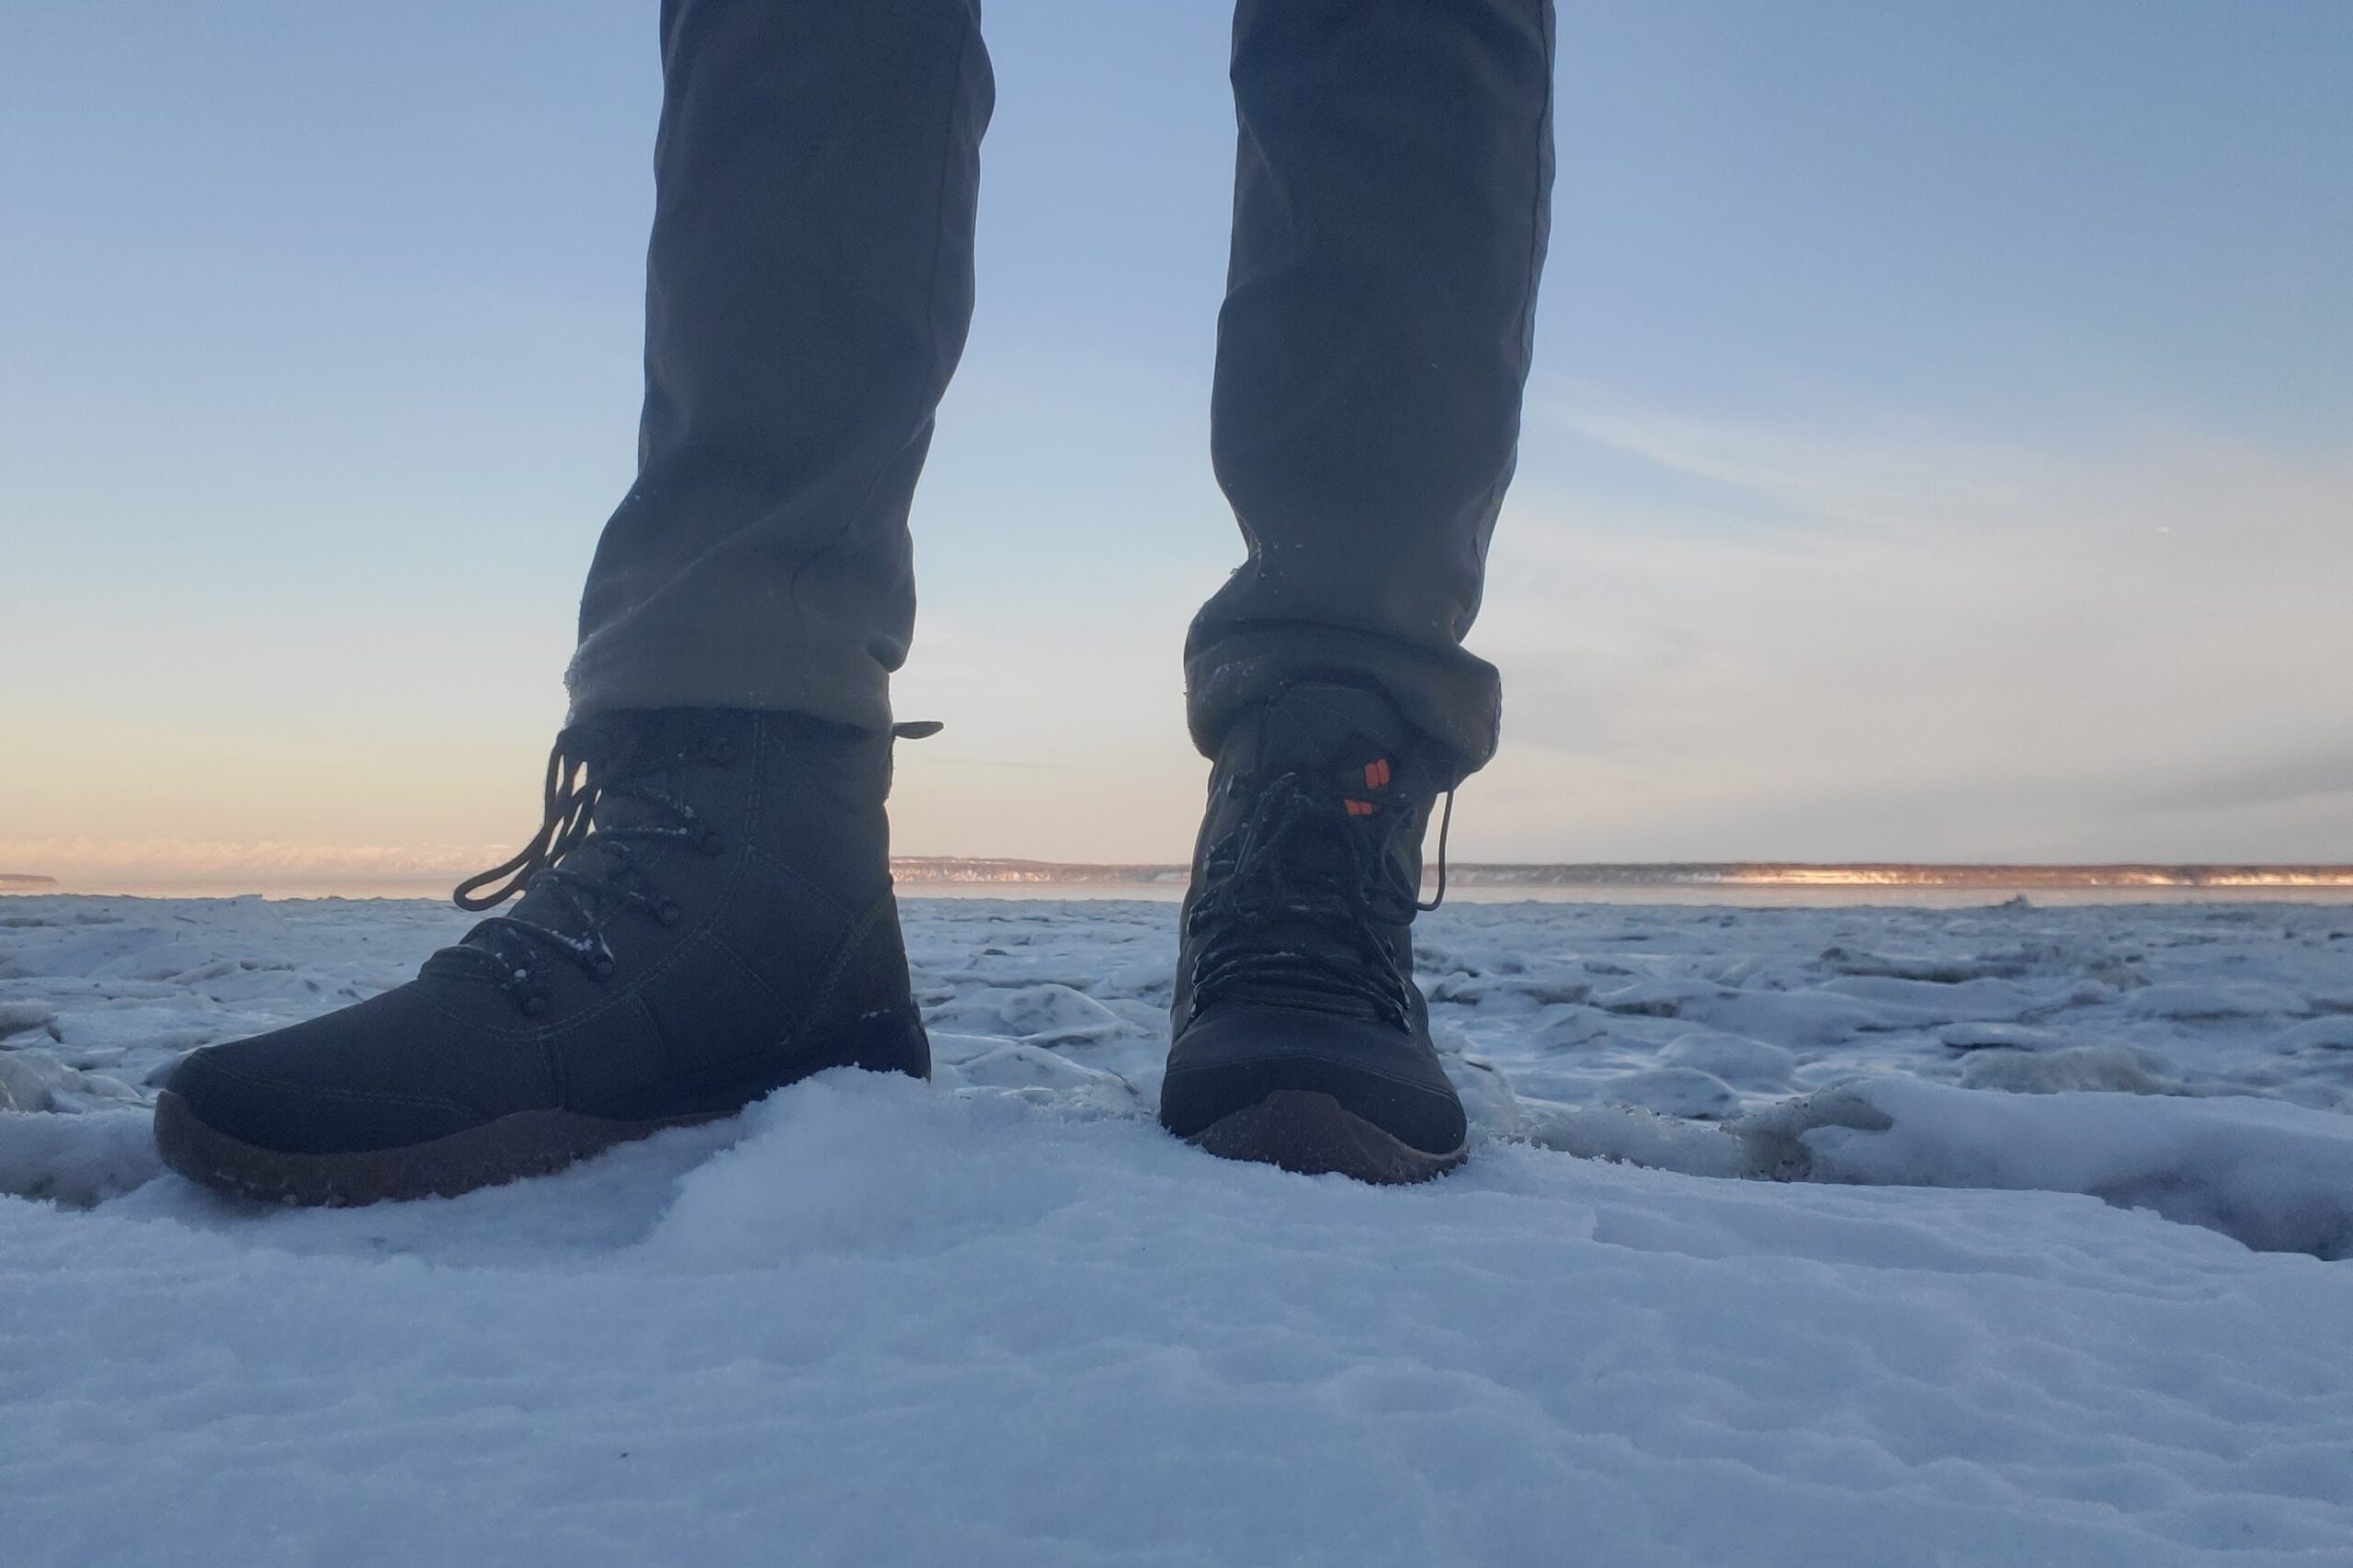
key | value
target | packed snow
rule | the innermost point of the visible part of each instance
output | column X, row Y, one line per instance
column 1816, row 1236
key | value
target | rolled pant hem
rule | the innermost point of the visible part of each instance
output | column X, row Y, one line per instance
column 1453, row 697
column 809, row 681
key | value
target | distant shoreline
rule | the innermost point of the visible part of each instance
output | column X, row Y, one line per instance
column 947, row 870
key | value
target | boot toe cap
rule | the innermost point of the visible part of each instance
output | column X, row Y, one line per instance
column 239, row 1093
column 1234, row 1056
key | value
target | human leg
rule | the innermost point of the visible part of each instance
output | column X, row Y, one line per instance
column 1390, row 221
column 706, row 910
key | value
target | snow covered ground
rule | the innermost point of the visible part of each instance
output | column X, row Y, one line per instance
column 2057, row 1272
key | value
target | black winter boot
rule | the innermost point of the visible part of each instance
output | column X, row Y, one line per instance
column 706, row 915
column 1298, row 1036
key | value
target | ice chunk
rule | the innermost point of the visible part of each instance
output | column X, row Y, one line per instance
column 34, row 1081
column 1673, row 1091
column 1738, row 1060
column 1999, row 1037
column 76, row 1160
column 2108, row 1067
column 1487, row 1100
column 1658, row 998
column 1039, row 1075
column 2334, row 1032
column 1057, row 1015
column 15, row 1017
column 2193, row 1001
column 2277, row 1177
column 1899, row 1003
column 1633, row 1136
column 1927, row 966
column 1050, row 1014
column 1789, row 1017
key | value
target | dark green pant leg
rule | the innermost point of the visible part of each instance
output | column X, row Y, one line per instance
column 1391, row 208
column 809, row 284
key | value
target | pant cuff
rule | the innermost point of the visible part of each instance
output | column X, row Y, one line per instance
column 1453, row 697
column 855, row 691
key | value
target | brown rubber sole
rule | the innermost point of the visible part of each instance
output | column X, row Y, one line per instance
column 527, row 1144
column 1313, row 1134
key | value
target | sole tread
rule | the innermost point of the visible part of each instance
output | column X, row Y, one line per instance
column 527, row 1144
column 1313, row 1134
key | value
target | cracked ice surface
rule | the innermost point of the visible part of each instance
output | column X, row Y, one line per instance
column 1004, row 1320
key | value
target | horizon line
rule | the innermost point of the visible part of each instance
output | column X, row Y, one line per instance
column 963, row 870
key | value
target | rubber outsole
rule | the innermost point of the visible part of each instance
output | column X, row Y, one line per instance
column 1294, row 1129
column 1313, row 1134
column 527, row 1144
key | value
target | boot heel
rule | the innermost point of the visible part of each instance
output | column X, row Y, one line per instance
column 888, row 1040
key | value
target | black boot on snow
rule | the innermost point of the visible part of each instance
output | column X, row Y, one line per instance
column 1298, row 1036
column 706, row 915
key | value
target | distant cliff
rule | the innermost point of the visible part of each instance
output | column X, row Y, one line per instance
column 935, row 870
column 25, row 880
column 939, row 869
column 1798, row 874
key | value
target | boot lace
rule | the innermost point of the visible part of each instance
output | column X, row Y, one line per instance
column 1298, row 894
column 585, row 870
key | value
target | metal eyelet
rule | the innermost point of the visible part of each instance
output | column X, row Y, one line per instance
column 669, row 913
column 711, row 844
column 533, row 1003
column 602, row 968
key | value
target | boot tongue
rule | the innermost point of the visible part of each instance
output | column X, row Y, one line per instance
column 650, row 754
column 1333, row 734
column 639, row 764
column 1348, row 746
column 1354, row 749
column 643, row 750
column 1321, row 867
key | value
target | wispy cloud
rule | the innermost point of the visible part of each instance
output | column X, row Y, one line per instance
column 1976, row 649
column 2320, row 774
column 1895, row 474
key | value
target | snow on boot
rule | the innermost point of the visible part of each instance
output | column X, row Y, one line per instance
column 1298, row 1036
column 706, row 915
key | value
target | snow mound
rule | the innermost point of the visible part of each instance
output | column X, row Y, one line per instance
column 2275, row 1177
column 2334, row 1032
column 887, row 1325
column 2046, row 1071
column 76, row 1160
column 1003, row 1319
column 1676, row 1091
column 1750, row 1064
column 2193, row 1001
column 1999, row 1037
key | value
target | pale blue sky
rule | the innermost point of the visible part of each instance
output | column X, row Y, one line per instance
column 1941, row 440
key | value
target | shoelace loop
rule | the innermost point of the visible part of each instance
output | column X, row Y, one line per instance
column 1274, row 876
column 584, row 773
